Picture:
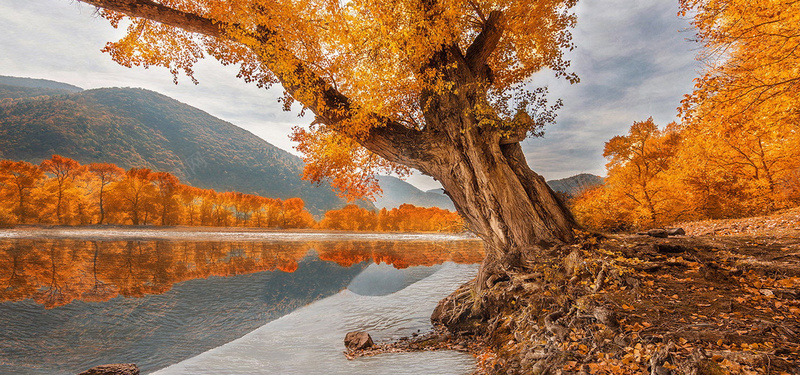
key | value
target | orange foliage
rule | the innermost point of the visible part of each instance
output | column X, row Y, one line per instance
column 656, row 178
column 109, row 195
column 406, row 218
column 351, row 217
column 409, row 218
column 106, row 174
column 61, row 189
column 64, row 172
column 17, row 181
column 350, row 168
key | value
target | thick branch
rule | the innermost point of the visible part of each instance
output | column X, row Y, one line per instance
column 485, row 43
column 157, row 12
column 392, row 140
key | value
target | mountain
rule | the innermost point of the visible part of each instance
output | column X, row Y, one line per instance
column 573, row 186
column 38, row 84
column 16, row 88
column 140, row 128
column 397, row 192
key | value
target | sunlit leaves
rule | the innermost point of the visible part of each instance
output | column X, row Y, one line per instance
column 367, row 63
column 406, row 218
column 752, row 54
column 350, row 167
column 639, row 190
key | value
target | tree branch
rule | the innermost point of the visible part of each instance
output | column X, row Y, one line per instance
column 390, row 139
column 157, row 12
column 485, row 43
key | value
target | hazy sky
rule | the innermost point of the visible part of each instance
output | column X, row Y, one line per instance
column 632, row 57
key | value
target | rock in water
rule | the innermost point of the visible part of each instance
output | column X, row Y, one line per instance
column 358, row 340
column 115, row 369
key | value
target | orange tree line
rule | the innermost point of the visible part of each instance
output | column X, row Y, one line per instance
column 736, row 151
column 657, row 177
column 62, row 191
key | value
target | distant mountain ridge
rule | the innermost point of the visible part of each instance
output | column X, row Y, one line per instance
column 38, row 83
column 17, row 88
column 574, row 185
column 140, row 128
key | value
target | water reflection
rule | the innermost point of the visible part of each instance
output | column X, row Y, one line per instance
column 56, row 272
column 67, row 305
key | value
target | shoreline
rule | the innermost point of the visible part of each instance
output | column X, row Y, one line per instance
column 124, row 232
column 187, row 228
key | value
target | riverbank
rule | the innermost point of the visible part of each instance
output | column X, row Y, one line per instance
column 630, row 304
column 123, row 232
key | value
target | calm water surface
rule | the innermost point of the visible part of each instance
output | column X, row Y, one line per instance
column 228, row 303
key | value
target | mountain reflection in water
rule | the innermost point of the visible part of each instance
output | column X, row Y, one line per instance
column 67, row 304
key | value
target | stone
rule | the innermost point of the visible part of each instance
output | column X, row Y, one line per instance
column 358, row 340
column 676, row 232
column 113, row 369
column 659, row 233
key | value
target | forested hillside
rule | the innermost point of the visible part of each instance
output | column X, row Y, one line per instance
column 144, row 129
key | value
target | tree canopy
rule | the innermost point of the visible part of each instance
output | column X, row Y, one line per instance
column 361, row 65
column 751, row 51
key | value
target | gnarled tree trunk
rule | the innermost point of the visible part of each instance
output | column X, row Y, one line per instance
column 472, row 151
column 485, row 173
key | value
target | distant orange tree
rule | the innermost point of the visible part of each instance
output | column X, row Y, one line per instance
column 637, row 191
column 406, row 218
column 62, row 191
column 17, row 182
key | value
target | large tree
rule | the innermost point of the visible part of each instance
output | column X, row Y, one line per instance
column 438, row 86
column 743, row 115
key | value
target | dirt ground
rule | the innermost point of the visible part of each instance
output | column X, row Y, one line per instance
column 722, row 299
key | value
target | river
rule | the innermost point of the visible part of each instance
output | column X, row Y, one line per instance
column 193, row 302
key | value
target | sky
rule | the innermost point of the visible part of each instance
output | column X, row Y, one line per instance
column 634, row 57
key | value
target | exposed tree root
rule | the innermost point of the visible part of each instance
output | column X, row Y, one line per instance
column 635, row 305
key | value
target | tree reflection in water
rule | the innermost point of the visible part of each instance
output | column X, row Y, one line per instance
column 67, row 305
column 56, row 272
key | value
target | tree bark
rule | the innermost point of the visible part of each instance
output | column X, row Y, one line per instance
column 504, row 202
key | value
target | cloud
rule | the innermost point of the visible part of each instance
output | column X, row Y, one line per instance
column 634, row 62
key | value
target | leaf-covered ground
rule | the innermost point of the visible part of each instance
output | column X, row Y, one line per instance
column 723, row 302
